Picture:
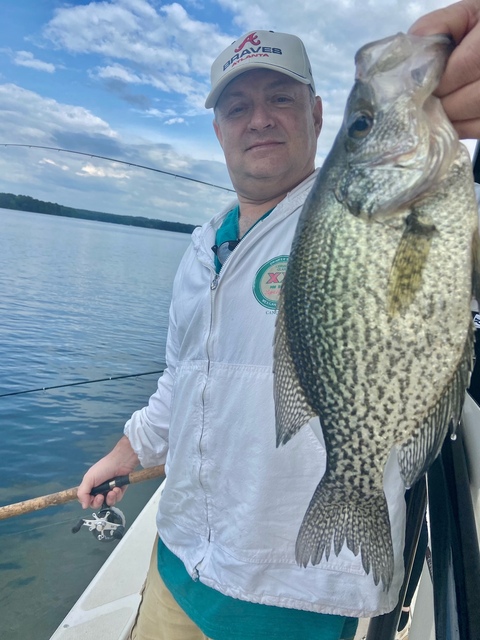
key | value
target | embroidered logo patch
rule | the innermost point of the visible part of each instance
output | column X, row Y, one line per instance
column 268, row 281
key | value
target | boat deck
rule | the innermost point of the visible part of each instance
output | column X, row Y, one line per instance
column 108, row 606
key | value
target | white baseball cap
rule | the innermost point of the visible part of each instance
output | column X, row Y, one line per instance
column 280, row 52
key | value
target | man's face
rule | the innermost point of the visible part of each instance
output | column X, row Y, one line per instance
column 267, row 124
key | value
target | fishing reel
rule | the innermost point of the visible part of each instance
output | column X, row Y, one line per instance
column 106, row 525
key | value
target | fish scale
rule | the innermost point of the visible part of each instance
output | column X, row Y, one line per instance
column 374, row 332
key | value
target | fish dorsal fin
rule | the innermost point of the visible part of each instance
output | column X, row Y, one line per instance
column 407, row 268
column 292, row 410
column 420, row 450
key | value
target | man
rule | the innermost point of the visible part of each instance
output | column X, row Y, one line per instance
column 228, row 519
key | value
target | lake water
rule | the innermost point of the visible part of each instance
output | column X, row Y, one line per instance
column 79, row 300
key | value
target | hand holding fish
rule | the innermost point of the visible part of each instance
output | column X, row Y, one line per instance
column 459, row 88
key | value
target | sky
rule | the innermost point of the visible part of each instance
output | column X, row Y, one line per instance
column 127, row 79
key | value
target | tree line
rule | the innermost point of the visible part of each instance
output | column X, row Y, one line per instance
column 27, row 203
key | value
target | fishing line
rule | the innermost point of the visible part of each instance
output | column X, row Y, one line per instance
column 130, row 164
column 70, row 520
column 77, row 384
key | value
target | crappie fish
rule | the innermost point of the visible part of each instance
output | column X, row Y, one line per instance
column 374, row 331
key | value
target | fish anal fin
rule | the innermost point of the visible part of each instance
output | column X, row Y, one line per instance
column 405, row 276
column 292, row 410
column 417, row 453
column 332, row 520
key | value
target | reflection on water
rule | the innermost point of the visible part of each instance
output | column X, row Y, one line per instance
column 79, row 300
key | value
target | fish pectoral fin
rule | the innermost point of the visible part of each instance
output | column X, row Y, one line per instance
column 292, row 410
column 333, row 518
column 416, row 454
column 405, row 276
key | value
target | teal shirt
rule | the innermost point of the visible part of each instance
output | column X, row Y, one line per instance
column 221, row 617
column 229, row 230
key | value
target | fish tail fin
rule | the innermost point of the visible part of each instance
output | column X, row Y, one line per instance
column 364, row 525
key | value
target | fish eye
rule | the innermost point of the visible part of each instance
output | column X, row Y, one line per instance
column 361, row 125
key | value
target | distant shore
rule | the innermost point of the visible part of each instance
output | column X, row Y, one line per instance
column 26, row 203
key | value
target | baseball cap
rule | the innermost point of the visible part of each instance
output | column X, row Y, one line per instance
column 280, row 52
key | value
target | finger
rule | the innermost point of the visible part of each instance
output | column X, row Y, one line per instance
column 97, row 502
column 454, row 20
column 83, row 494
column 462, row 22
column 468, row 129
column 463, row 67
column 113, row 496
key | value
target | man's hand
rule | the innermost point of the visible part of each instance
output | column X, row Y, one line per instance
column 122, row 460
column 459, row 88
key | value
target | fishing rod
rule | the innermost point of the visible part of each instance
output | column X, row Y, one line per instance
column 130, row 164
column 476, row 163
column 108, row 524
column 77, row 384
column 68, row 495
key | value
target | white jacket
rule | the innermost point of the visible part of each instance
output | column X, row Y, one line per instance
column 233, row 502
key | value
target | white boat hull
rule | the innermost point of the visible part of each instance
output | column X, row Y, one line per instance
column 108, row 606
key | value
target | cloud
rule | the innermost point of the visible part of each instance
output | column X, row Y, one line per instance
column 167, row 49
column 62, row 167
column 157, row 113
column 167, row 40
column 26, row 59
column 92, row 170
column 118, row 72
column 35, row 118
column 117, row 79
column 167, row 82
column 175, row 121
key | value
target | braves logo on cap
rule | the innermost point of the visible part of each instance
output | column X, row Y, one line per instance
column 252, row 38
column 255, row 50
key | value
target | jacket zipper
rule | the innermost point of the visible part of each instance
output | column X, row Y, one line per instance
column 213, row 286
column 214, row 283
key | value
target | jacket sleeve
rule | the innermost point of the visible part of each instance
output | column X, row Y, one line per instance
column 147, row 429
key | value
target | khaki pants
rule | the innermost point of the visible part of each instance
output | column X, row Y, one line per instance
column 159, row 616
